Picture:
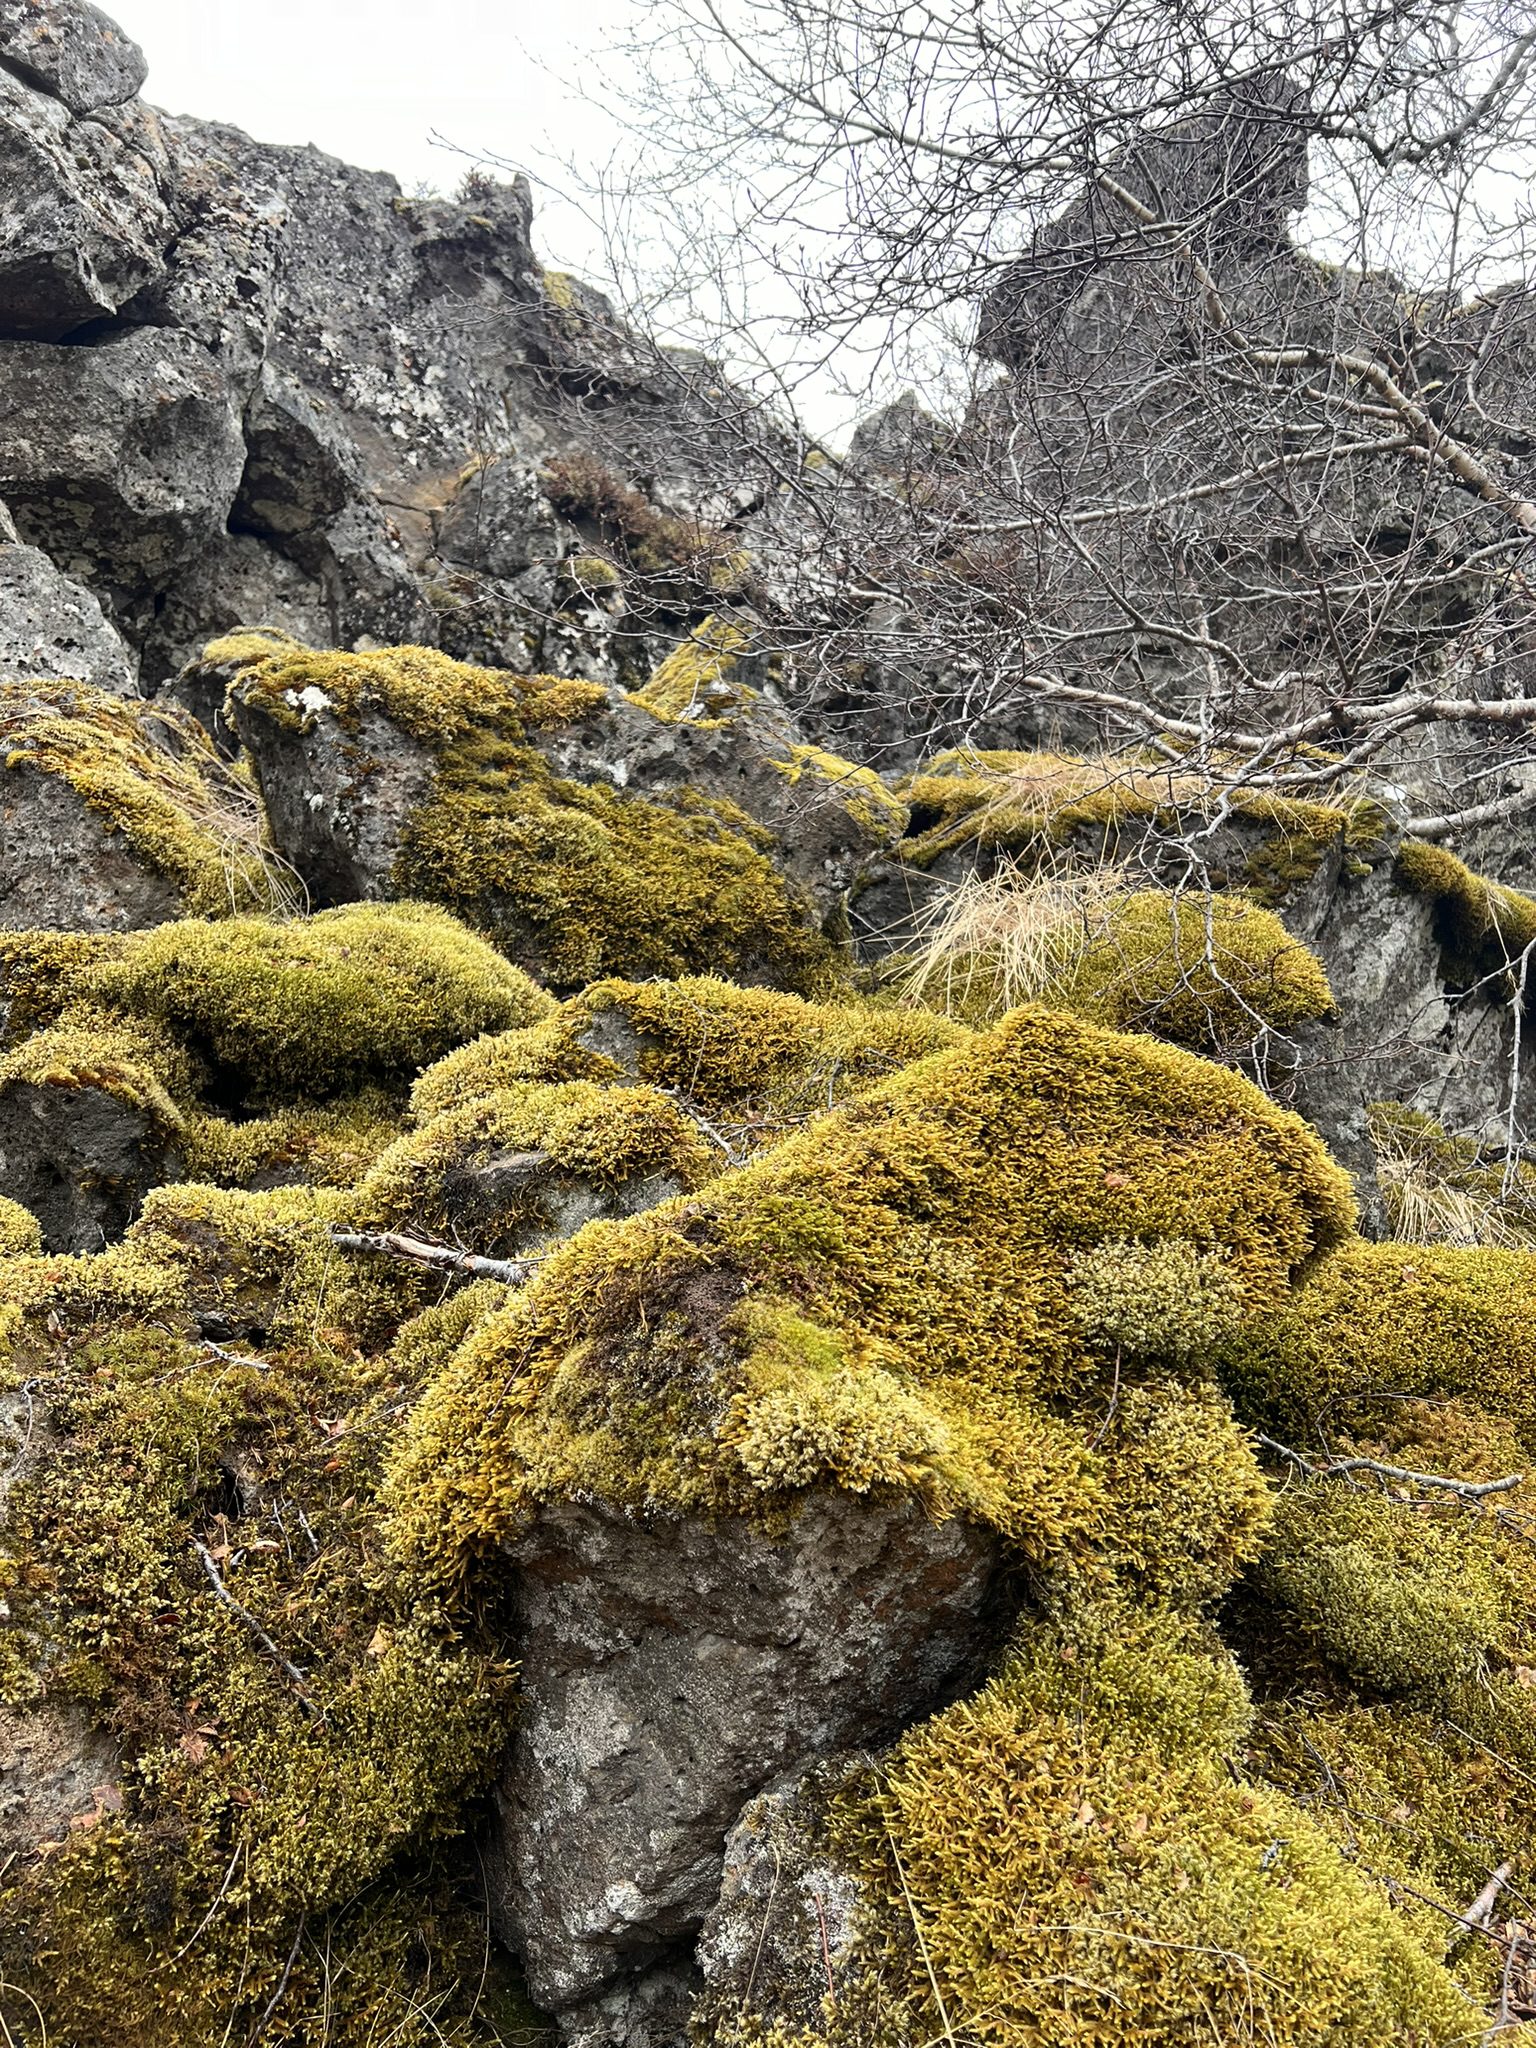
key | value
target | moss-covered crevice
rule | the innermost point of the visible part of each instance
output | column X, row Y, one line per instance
column 1485, row 931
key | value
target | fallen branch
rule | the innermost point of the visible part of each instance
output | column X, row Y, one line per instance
column 1342, row 1468
column 392, row 1244
column 1480, row 1912
column 290, row 1671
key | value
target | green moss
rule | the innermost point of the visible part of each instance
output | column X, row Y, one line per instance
column 152, row 775
column 89, row 1050
column 319, row 1007
column 881, row 814
column 924, row 1233
column 333, row 1146
column 609, row 1138
column 20, row 1231
column 41, row 974
column 577, row 880
column 1008, row 801
column 694, row 682
column 1483, row 930
column 1210, row 972
column 1167, row 1300
column 1071, row 1854
column 768, row 1058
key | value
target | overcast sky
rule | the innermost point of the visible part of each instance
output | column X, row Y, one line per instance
column 372, row 80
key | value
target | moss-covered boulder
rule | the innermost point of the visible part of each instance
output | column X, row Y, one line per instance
column 118, row 815
column 585, row 833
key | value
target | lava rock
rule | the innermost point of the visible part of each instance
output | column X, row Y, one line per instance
column 53, row 629
column 72, row 50
column 84, row 211
column 81, row 1159
column 672, row 1669
column 301, row 467
column 124, row 458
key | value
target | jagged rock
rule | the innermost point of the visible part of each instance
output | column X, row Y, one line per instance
column 72, row 50
column 500, row 523
column 53, row 629
column 82, row 1157
column 86, row 221
column 300, row 469
column 124, row 457
column 64, row 868
column 669, row 1671
column 236, row 582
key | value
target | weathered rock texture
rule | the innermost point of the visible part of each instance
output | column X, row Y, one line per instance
column 669, row 1671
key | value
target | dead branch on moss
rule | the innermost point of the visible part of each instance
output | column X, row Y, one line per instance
column 443, row 1258
column 289, row 1670
column 1480, row 1912
column 1345, row 1468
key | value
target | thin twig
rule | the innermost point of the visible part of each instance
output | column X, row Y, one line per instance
column 392, row 1244
column 290, row 1671
column 1480, row 1912
column 1341, row 1468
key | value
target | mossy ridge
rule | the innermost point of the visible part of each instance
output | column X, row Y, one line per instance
column 578, row 880
column 317, row 1007
column 126, row 1058
column 1072, row 1852
column 770, row 1058
column 248, row 1815
column 1008, row 801
column 609, row 1136
column 880, row 1300
column 693, row 684
column 871, row 804
column 41, row 974
column 330, row 1146
column 185, row 814
column 1483, row 929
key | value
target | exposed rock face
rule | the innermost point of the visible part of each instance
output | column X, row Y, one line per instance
column 123, row 458
column 81, row 1159
column 52, row 628
column 64, row 868
column 72, row 50
column 56, row 1772
column 668, row 1672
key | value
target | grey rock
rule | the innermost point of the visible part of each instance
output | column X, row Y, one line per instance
column 300, row 469
column 81, row 1159
column 83, row 215
column 72, row 50
column 53, row 629
column 64, row 868
column 240, row 582
column 670, row 1670
column 123, row 458
column 789, row 1916
column 499, row 522
column 55, row 1769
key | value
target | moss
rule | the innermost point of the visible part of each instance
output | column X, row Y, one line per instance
column 923, row 1232
column 1165, row 1300
column 89, row 1050
column 694, row 683
column 654, row 543
column 1071, row 1853
column 1210, row 972
column 319, row 1007
column 609, row 1138
column 577, row 880
column 1009, row 801
column 41, row 974
column 769, row 1058
column 881, row 814
column 152, row 775
column 20, row 1231
column 1483, row 929
column 332, row 1146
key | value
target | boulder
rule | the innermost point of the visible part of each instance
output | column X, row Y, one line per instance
column 71, row 50
column 500, row 522
column 85, row 217
column 670, row 1669
column 53, row 629
column 123, row 458
column 301, row 467
column 82, row 1155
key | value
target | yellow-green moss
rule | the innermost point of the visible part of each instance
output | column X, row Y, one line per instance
column 20, row 1231
column 1009, row 801
column 1070, row 1860
column 604, row 1135
column 753, row 1052
column 578, row 880
column 882, row 815
column 1165, row 1300
column 321, row 1006
column 1210, row 972
column 694, row 682
column 88, row 1050
column 151, row 774
column 923, row 1232
column 1483, row 930
column 332, row 1146
column 41, row 974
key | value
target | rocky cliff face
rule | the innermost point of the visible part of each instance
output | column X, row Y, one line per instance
column 655, row 1388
